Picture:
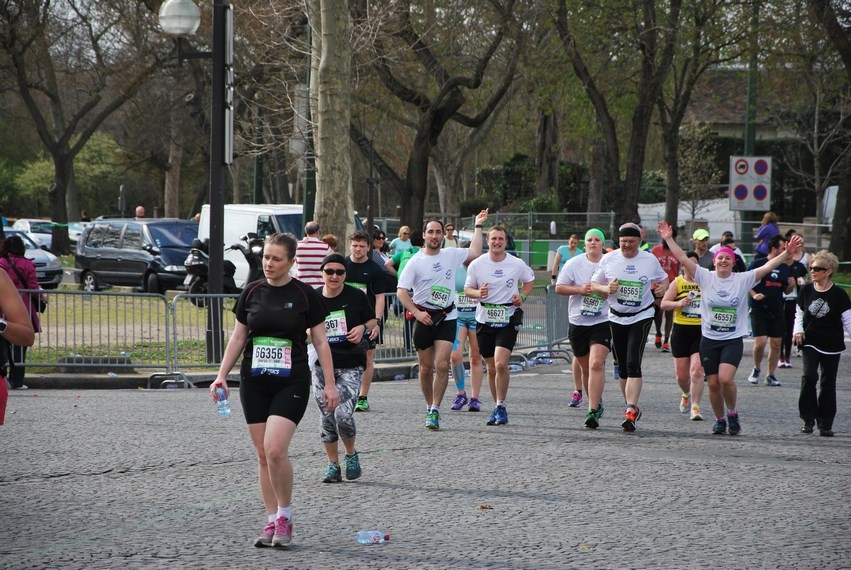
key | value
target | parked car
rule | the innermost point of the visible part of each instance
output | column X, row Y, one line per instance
column 147, row 254
column 75, row 230
column 40, row 231
column 48, row 267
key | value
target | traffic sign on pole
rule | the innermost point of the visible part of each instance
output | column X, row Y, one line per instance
column 750, row 183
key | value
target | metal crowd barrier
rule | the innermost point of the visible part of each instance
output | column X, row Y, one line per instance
column 109, row 332
column 103, row 330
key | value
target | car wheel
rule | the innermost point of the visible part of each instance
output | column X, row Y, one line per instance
column 198, row 287
column 88, row 282
column 152, row 282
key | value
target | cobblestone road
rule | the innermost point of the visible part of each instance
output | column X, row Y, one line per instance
column 155, row 479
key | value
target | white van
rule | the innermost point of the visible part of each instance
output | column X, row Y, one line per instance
column 261, row 219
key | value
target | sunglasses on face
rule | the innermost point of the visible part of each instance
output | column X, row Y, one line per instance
column 334, row 271
column 816, row 268
column 379, row 237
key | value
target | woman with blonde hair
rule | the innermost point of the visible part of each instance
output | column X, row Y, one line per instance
column 824, row 310
column 401, row 243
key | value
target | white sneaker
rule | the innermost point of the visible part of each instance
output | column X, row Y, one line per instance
column 754, row 377
column 695, row 413
column 684, row 403
column 21, row 387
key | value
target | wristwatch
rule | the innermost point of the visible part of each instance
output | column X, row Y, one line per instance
column 3, row 325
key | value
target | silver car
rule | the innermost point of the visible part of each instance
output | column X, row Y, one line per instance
column 48, row 267
column 39, row 231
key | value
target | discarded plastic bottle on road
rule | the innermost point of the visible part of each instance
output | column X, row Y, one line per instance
column 399, row 377
column 515, row 367
column 112, row 374
column 222, row 403
column 371, row 537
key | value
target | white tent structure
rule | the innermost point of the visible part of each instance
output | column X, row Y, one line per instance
column 713, row 215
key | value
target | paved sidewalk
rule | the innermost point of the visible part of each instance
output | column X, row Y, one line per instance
column 156, row 479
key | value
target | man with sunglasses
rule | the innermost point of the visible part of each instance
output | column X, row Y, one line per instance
column 364, row 274
column 430, row 274
column 767, row 311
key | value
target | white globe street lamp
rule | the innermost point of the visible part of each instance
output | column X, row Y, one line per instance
column 179, row 17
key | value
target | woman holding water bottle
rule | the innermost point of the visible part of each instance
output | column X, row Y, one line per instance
column 683, row 298
column 272, row 318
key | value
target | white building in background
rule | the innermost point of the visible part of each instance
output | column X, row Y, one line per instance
column 714, row 215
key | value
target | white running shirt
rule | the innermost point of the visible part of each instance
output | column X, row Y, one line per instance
column 432, row 278
column 636, row 277
column 503, row 279
column 724, row 303
column 582, row 310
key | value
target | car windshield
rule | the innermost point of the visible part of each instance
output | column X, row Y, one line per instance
column 28, row 243
column 41, row 227
column 178, row 234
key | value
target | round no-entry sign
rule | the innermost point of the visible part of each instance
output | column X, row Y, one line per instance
column 750, row 183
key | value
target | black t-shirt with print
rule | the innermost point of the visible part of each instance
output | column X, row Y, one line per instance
column 352, row 302
column 823, row 310
column 281, row 312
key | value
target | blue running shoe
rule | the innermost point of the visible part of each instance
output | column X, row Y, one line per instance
column 720, row 427
column 353, row 469
column 501, row 415
column 332, row 474
column 433, row 420
column 492, row 419
column 733, row 423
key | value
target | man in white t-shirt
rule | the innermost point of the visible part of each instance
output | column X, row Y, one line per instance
column 430, row 274
column 494, row 279
column 629, row 278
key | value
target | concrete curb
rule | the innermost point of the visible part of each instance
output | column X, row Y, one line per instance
column 138, row 380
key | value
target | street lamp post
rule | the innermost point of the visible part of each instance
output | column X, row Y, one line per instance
column 181, row 18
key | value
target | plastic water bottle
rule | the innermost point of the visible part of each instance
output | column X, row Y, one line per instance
column 399, row 377
column 222, row 403
column 371, row 537
column 617, row 375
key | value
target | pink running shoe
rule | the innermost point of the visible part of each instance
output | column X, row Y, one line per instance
column 283, row 532
column 575, row 399
column 265, row 539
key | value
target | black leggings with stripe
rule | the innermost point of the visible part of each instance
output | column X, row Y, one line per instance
column 628, row 346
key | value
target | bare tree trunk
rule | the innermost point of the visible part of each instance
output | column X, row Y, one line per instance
column 672, row 172
column 596, row 184
column 334, row 194
column 172, row 175
column 546, row 153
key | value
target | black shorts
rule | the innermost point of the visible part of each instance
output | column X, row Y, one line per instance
column 506, row 337
column 262, row 398
column 766, row 324
column 424, row 336
column 582, row 337
column 714, row 353
column 685, row 340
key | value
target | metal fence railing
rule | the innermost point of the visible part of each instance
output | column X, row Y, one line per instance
column 109, row 332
